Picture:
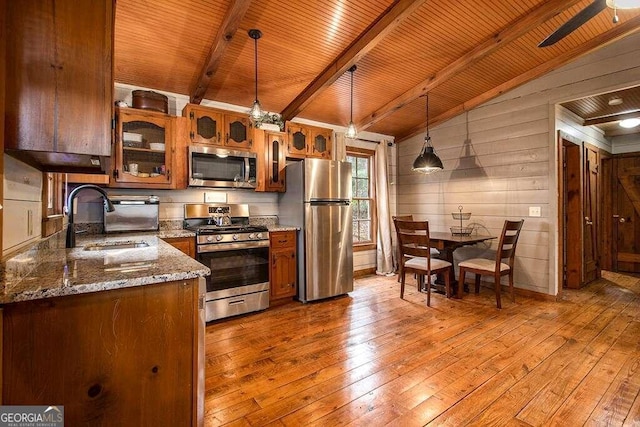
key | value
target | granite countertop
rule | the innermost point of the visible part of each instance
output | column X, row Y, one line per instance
column 52, row 271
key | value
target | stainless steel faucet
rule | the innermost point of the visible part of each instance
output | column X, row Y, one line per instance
column 71, row 232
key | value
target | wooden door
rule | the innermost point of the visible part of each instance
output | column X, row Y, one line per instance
column 572, row 216
column 626, row 213
column 590, row 215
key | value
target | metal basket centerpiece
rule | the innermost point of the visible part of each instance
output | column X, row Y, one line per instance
column 461, row 230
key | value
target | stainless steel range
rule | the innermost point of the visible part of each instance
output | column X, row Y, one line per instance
column 237, row 254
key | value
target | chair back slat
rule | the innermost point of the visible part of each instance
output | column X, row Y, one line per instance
column 508, row 241
column 413, row 238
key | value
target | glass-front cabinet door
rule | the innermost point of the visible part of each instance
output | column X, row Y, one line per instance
column 143, row 150
column 320, row 145
column 276, row 161
column 239, row 131
column 206, row 126
column 298, row 137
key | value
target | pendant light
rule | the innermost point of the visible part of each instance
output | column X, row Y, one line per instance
column 256, row 109
column 351, row 132
column 428, row 161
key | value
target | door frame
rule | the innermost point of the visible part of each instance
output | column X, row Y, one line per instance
column 566, row 275
column 575, row 222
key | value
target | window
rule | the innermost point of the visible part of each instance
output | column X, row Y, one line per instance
column 363, row 203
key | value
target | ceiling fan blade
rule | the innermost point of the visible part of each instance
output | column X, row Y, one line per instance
column 576, row 21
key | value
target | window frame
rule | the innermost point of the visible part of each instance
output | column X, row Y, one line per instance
column 370, row 156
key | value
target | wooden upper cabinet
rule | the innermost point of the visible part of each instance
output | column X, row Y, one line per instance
column 270, row 149
column 308, row 141
column 321, row 143
column 217, row 127
column 143, row 153
column 59, row 92
column 239, row 131
column 297, row 140
column 205, row 125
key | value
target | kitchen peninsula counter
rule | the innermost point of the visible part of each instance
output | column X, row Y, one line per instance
column 116, row 336
column 53, row 271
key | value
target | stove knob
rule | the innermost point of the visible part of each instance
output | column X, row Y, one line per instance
column 235, row 237
column 252, row 235
column 259, row 236
column 219, row 237
column 209, row 239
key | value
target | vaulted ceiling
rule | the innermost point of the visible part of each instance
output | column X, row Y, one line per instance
column 462, row 53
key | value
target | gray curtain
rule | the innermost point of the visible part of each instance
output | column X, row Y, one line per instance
column 384, row 249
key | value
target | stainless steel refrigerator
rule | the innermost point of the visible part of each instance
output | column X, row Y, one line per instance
column 318, row 200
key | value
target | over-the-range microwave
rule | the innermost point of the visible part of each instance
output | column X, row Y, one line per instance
column 219, row 167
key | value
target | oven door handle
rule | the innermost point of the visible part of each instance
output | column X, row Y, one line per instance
column 220, row 247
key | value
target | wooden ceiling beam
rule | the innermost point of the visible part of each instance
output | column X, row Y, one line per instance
column 612, row 118
column 514, row 30
column 230, row 23
column 619, row 31
column 363, row 43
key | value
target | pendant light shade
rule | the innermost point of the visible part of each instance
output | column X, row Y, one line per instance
column 623, row 4
column 256, row 109
column 351, row 132
column 427, row 161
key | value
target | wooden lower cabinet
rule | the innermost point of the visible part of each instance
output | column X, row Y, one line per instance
column 185, row 244
column 283, row 278
column 132, row 356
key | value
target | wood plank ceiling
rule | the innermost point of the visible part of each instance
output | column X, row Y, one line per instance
column 462, row 53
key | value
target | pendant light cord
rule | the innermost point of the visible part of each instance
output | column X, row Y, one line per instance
column 351, row 97
column 428, row 138
column 255, row 50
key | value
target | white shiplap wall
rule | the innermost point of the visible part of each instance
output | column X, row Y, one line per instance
column 507, row 160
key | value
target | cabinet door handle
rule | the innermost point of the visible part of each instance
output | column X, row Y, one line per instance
column 227, row 138
column 218, row 137
column 168, row 174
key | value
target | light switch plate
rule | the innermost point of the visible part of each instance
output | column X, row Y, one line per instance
column 215, row 197
column 534, row 211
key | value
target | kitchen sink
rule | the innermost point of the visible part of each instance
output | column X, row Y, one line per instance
column 126, row 244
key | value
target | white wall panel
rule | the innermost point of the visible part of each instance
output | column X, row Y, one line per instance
column 508, row 162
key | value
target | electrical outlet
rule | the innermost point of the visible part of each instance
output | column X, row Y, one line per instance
column 534, row 211
column 215, row 197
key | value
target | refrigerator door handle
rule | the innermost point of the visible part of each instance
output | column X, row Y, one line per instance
column 321, row 202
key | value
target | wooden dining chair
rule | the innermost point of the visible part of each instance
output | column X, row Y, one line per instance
column 401, row 218
column 495, row 268
column 434, row 251
column 415, row 256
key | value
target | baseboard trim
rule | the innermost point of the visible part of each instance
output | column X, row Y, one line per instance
column 365, row 272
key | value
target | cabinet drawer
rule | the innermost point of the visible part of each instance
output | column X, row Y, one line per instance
column 282, row 239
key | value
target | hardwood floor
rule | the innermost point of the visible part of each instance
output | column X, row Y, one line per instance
column 374, row 359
